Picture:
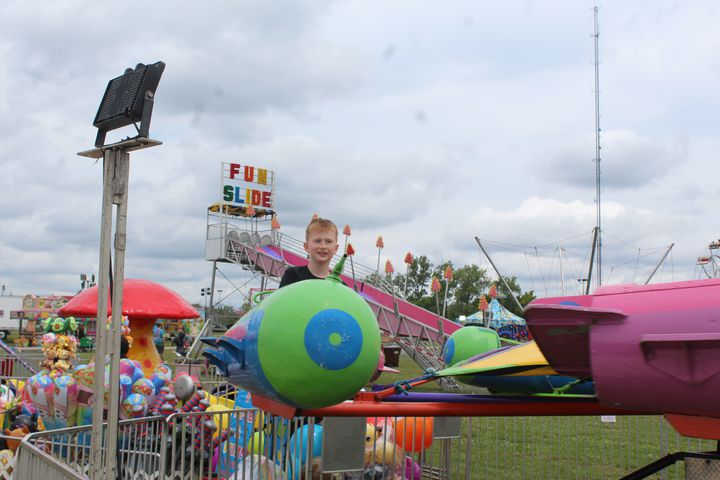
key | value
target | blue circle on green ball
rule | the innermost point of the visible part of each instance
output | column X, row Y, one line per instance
column 449, row 351
column 333, row 339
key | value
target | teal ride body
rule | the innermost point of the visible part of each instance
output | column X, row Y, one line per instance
column 311, row 344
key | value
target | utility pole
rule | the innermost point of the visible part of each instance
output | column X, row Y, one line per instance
column 502, row 279
column 116, row 174
column 596, row 36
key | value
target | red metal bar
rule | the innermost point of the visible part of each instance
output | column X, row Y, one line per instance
column 511, row 408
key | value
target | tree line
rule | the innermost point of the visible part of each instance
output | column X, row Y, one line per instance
column 468, row 284
column 464, row 289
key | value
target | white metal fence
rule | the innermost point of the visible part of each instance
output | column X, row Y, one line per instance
column 249, row 444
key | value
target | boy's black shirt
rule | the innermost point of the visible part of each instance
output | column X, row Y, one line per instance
column 297, row 274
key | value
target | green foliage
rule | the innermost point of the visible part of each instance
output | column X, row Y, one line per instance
column 418, row 275
column 468, row 284
column 505, row 297
column 463, row 291
column 225, row 315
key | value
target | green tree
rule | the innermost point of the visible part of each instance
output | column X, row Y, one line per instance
column 418, row 276
column 464, row 290
column 225, row 316
column 505, row 297
column 469, row 283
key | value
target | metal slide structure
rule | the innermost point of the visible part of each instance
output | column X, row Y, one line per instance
column 12, row 356
column 420, row 333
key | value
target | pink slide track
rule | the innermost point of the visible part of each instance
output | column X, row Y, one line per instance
column 417, row 317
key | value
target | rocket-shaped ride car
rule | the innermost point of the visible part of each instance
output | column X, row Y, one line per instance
column 310, row 344
column 653, row 348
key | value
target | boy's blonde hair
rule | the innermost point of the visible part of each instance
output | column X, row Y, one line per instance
column 319, row 225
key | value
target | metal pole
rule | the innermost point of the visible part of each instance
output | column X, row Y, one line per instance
column 596, row 36
column 660, row 263
column 210, row 318
column 97, row 437
column 502, row 279
column 592, row 260
column 562, row 274
column 204, row 295
column 122, row 174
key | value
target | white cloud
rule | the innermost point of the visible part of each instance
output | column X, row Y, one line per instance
column 428, row 123
column 627, row 160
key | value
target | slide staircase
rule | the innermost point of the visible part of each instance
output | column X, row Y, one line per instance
column 420, row 333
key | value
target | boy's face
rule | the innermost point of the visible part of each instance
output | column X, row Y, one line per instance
column 321, row 244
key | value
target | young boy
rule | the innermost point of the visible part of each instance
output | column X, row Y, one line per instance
column 321, row 244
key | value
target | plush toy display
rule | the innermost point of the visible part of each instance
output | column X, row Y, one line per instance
column 59, row 344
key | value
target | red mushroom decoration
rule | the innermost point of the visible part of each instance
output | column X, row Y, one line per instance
column 143, row 303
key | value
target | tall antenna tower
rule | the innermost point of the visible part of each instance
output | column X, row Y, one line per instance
column 598, row 237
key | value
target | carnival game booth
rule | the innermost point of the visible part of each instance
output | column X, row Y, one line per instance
column 36, row 309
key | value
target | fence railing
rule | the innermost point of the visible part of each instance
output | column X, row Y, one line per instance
column 32, row 463
column 24, row 363
column 140, row 448
column 250, row 444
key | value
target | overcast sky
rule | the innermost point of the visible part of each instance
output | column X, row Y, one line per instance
column 426, row 122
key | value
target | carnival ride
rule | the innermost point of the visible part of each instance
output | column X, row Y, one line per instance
column 334, row 348
column 634, row 331
column 650, row 349
column 233, row 238
column 708, row 264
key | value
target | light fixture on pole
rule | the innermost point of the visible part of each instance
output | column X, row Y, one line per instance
column 87, row 281
column 205, row 293
column 128, row 99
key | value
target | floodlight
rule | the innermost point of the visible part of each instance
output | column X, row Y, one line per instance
column 128, row 99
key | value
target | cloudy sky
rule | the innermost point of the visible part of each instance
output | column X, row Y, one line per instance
column 426, row 122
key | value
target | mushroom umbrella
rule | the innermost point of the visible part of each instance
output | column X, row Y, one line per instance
column 143, row 303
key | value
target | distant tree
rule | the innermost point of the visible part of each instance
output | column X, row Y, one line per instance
column 418, row 275
column 464, row 290
column 468, row 284
column 226, row 316
column 505, row 297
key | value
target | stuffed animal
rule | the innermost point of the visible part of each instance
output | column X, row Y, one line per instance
column 18, row 433
column 60, row 325
column 30, row 421
column 63, row 365
column 381, row 451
